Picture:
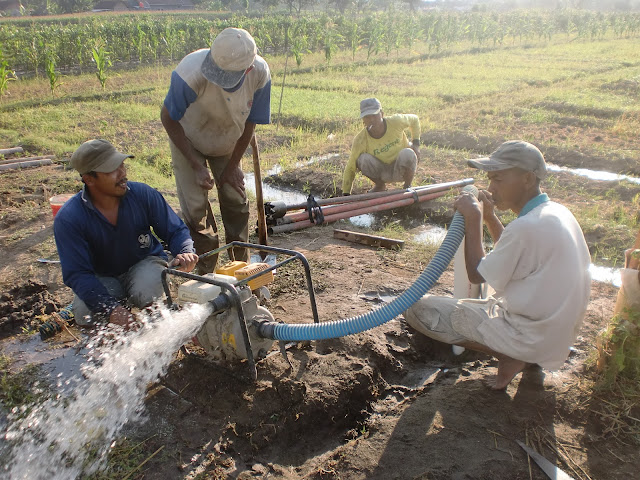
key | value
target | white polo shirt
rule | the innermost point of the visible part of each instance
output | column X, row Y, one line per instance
column 540, row 271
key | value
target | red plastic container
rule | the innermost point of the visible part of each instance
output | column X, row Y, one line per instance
column 57, row 201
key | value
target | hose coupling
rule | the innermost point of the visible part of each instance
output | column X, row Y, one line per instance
column 220, row 303
column 265, row 328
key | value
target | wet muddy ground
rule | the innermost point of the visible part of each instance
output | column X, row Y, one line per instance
column 384, row 404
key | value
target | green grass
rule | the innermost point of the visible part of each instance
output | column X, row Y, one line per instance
column 20, row 388
column 560, row 93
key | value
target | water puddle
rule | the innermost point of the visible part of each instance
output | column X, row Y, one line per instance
column 428, row 234
column 366, row 220
column 58, row 360
column 70, row 433
column 605, row 275
column 593, row 174
column 271, row 193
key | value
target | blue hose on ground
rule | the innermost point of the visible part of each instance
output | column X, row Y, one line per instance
column 375, row 318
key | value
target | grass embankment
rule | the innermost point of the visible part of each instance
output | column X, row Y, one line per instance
column 575, row 97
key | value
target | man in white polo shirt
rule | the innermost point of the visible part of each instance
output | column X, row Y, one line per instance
column 216, row 98
column 539, row 270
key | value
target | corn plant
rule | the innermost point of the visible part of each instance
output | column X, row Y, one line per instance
column 391, row 36
column 139, row 42
column 33, row 52
column 375, row 38
column 352, row 38
column 6, row 75
column 102, row 61
column 299, row 42
column 52, row 75
column 331, row 41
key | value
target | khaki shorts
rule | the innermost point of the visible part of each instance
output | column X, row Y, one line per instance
column 380, row 172
column 450, row 320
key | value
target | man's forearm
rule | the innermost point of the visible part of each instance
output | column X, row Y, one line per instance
column 241, row 145
column 495, row 227
column 179, row 138
column 473, row 248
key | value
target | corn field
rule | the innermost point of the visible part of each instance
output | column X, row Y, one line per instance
column 148, row 38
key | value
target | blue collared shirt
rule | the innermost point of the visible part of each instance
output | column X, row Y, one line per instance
column 89, row 245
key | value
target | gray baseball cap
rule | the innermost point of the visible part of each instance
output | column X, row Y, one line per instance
column 369, row 106
column 97, row 156
column 232, row 52
column 514, row 153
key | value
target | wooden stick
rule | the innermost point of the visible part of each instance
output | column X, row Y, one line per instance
column 33, row 163
column 7, row 151
column 257, row 175
column 365, row 239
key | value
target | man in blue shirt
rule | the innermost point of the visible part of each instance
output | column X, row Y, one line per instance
column 109, row 255
column 216, row 98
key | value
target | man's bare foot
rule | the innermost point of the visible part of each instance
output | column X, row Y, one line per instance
column 508, row 368
column 378, row 187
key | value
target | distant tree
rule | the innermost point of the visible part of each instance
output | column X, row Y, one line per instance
column 299, row 5
column 339, row 5
column 624, row 5
column 74, row 6
column 269, row 4
column 40, row 7
column 50, row 7
column 412, row 4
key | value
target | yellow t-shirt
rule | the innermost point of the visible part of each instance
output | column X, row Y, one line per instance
column 386, row 148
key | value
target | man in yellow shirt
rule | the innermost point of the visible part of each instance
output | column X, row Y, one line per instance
column 381, row 150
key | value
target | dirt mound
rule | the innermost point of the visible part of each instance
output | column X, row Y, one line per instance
column 483, row 145
column 626, row 87
column 461, row 141
column 21, row 306
column 560, row 107
column 319, row 183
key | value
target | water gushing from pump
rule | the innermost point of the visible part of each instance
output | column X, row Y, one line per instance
column 71, row 433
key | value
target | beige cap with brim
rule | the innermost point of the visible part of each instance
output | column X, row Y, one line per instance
column 97, row 156
column 513, row 154
column 232, row 52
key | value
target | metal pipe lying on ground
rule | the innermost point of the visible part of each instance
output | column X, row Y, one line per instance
column 409, row 193
column 368, row 196
column 352, row 213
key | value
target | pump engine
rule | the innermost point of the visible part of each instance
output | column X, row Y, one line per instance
column 221, row 334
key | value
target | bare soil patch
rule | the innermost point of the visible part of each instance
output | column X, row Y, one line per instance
column 383, row 404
